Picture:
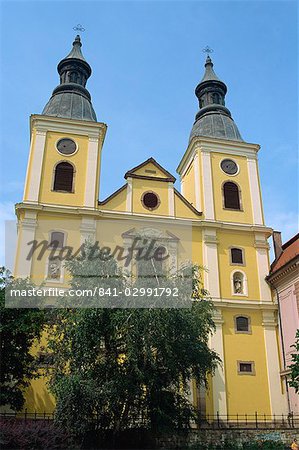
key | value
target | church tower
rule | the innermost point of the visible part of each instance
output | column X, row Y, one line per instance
column 219, row 176
column 66, row 141
column 65, row 153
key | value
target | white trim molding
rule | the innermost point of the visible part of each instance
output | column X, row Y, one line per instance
column 255, row 191
column 219, row 382
column 197, row 186
column 262, row 246
column 26, row 233
column 210, row 262
column 278, row 401
column 207, row 186
column 129, row 206
column 88, row 229
column 171, row 198
column 34, row 172
column 91, row 173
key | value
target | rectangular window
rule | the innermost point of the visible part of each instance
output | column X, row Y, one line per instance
column 246, row 368
column 57, row 239
column 236, row 256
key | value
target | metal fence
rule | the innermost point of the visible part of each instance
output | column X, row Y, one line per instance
column 218, row 421
column 246, row 421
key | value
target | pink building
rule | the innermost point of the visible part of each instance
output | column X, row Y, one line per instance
column 284, row 280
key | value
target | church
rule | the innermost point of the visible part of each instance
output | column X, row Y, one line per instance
column 220, row 200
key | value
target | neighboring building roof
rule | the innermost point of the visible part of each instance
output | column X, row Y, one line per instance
column 290, row 251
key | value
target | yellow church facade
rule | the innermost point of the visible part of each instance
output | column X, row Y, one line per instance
column 220, row 200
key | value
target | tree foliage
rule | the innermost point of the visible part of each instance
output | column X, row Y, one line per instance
column 295, row 365
column 19, row 327
column 129, row 367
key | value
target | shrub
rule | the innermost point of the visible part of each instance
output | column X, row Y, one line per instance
column 33, row 435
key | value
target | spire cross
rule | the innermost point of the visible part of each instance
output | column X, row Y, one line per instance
column 207, row 50
column 79, row 28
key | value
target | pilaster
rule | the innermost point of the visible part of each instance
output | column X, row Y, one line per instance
column 91, row 172
column 278, row 401
column 219, row 382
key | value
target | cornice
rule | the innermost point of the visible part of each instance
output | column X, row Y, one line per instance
column 244, row 304
column 218, row 146
column 48, row 123
column 97, row 212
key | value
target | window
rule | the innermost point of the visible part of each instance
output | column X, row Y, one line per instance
column 246, row 368
column 231, row 196
column 150, row 200
column 242, row 324
column 216, row 98
column 73, row 77
column 63, row 177
column 57, row 239
column 236, row 256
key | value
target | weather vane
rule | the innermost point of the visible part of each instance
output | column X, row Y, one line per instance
column 79, row 28
column 207, row 50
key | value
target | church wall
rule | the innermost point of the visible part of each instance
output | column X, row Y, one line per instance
column 245, row 393
column 245, row 241
column 159, row 187
column 117, row 203
column 188, row 184
column 241, row 179
column 197, row 257
column 51, row 158
column 46, row 224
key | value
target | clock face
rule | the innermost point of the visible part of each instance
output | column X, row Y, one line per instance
column 228, row 166
column 66, row 146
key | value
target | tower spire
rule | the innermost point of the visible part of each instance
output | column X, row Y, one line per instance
column 213, row 118
column 70, row 99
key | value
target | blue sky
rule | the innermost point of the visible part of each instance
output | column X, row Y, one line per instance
column 147, row 58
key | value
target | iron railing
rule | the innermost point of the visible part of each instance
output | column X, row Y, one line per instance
column 208, row 421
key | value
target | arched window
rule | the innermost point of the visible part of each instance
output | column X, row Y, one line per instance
column 73, row 77
column 57, row 239
column 231, row 196
column 216, row 98
column 242, row 324
column 63, row 177
column 236, row 256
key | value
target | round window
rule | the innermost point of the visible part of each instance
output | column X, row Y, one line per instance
column 66, row 146
column 150, row 200
column 229, row 166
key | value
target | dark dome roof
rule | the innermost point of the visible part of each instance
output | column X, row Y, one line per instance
column 70, row 105
column 213, row 118
column 70, row 99
column 216, row 124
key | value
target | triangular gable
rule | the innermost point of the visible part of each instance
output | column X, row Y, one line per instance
column 150, row 170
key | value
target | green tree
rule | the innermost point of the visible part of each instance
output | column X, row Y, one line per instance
column 128, row 367
column 18, row 330
column 295, row 365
